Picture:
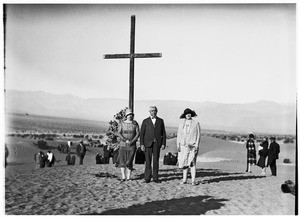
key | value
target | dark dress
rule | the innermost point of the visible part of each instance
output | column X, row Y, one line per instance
column 263, row 153
column 251, row 152
column 127, row 152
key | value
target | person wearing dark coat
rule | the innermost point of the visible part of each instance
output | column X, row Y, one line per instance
column 263, row 154
column 98, row 159
column 81, row 150
column 43, row 160
column 251, row 153
column 152, row 139
column 274, row 150
column 73, row 159
column 68, row 159
column 115, row 157
column 106, row 154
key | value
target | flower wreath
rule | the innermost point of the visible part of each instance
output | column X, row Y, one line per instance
column 113, row 140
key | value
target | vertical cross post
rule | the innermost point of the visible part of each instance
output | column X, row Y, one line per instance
column 132, row 56
column 131, row 76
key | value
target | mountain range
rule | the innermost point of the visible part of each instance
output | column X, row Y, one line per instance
column 261, row 116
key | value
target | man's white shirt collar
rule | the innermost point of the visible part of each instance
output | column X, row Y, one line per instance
column 153, row 119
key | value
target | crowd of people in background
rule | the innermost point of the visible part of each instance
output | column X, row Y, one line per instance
column 44, row 160
column 152, row 139
column 268, row 154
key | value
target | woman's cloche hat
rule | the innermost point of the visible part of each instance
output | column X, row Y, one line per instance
column 188, row 111
column 128, row 112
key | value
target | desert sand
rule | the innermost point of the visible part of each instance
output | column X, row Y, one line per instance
column 224, row 187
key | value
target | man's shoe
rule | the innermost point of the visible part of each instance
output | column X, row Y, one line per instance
column 147, row 181
column 157, row 181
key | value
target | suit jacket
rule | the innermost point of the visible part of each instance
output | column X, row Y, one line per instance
column 274, row 150
column 151, row 133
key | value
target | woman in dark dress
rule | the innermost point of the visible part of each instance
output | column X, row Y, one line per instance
column 251, row 153
column 129, row 133
column 263, row 153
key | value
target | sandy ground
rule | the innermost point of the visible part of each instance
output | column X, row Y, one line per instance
column 224, row 187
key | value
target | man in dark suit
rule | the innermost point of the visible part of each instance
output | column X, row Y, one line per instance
column 273, row 152
column 152, row 139
column 81, row 150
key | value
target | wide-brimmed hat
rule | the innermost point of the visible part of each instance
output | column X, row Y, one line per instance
column 188, row 111
column 128, row 112
column 251, row 136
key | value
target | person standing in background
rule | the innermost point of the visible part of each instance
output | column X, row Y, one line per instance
column 251, row 153
column 81, row 150
column 263, row 153
column 50, row 159
column 273, row 153
column 37, row 158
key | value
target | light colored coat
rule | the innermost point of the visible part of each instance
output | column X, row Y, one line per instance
column 192, row 138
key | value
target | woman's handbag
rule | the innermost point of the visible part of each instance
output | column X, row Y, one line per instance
column 140, row 156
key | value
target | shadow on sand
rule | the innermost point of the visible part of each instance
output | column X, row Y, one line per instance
column 183, row 206
column 176, row 174
column 230, row 178
column 173, row 174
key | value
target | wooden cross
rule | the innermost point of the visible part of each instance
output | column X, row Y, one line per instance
column 132, row 56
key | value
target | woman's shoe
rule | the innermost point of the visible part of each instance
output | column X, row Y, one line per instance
column 183, row 183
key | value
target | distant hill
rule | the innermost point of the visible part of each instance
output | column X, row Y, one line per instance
column 261, row 116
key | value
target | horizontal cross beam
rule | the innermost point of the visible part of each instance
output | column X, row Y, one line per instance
column 136, row 55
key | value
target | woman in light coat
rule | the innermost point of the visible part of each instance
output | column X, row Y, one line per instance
column 188, row 141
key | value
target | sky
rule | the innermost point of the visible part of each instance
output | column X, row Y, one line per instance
column 227, row 53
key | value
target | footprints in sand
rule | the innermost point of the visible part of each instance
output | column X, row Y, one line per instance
column 76, row 190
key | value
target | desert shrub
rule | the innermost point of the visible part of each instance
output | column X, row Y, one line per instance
column 224, row 137
column 78, row 136
column 288, row 140
column 49, row 139
column 42, row 144
column 286, row 160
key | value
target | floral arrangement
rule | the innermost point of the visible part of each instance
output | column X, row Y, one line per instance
column 113, row 140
